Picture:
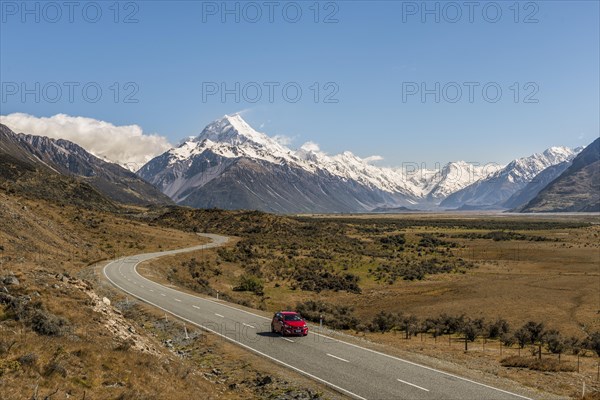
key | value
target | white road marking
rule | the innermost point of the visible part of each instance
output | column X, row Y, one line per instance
column 337, row 358
column 142, row 286
column 355, row 346
column 219, row 315
column 176, row 299
column 249, row 326
column 156, row 255
column 241, row 344
column 289, row 340
column 196, row 307
column 413, row 385
column 162, row 294
column 151, row 290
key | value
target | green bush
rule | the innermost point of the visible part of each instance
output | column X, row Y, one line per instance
column 250, row 283
column 334, row 316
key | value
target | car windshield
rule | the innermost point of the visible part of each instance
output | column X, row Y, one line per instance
column 292, row 317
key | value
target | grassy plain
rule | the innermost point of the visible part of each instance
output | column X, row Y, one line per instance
column 517, row 268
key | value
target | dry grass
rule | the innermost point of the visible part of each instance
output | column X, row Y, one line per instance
column 103, row 355
column 556, row 281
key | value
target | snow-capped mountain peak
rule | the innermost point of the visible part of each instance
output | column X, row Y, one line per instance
column 232, row 137
column 234, row 130
column 230, row 153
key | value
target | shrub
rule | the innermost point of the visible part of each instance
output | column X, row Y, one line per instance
column 54, row 367
column 544, row 365
column 593, row 342
column 313, row 276
column 393, row 241
column 497, row 329
column 335, row 316
column 28, row 359
column 46, row 323
column 555, row 343
column 385, row 321
column 250, row 283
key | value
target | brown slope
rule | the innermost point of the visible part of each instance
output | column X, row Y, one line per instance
column 577, row 189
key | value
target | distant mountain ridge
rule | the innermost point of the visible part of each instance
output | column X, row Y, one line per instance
column 576, row 189
column 230, row 165
column 69, row 159
column 498, row 187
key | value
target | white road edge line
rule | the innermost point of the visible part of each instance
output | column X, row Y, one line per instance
column 413, row 385
column 331, row 385
column 219, row 315
column 354, row 345
column 337, row 358
column 158, row 255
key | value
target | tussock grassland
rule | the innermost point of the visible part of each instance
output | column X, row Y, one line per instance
column 60, row 339
column 421, row 269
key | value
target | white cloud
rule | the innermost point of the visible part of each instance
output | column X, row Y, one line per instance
column 283, row 139
column 311, row 146
column 372, row 159
column 127, row 145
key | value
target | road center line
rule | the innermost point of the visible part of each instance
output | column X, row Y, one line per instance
column 289, row 340
column 196, row 307
column 337, row 358
column 413, row 385
column 249, row 326
column 176, row 299
column 162, row 294
column 219, row 315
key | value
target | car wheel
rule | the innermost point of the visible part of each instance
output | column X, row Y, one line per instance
column 273, row 329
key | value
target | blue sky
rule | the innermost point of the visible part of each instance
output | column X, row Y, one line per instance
column 373, row 57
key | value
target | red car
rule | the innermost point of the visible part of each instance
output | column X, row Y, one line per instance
column 289, row 323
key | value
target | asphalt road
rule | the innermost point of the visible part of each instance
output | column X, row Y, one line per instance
column 356, row 371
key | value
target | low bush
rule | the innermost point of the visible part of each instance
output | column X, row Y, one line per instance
column 334, row 316
column 544, row 365
column 411, row 269
column 250, row 283
column 314, row 277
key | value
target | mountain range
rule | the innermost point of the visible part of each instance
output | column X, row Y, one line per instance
column 30, row 162
column 498, row 187
column 230, row 165
column 576, row 189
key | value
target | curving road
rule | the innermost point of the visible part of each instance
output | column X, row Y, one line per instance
column 355, row 371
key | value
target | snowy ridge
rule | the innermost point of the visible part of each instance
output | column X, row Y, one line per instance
column 232, row 137
column 526, row 168
column 499, row 186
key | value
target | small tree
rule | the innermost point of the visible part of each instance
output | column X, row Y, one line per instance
column 385, row 321
column 498, row 328
column 410, row 324
column 470, row 330
column 593, row 342
column 536, row 334
column 522, row 337
column 555, row 343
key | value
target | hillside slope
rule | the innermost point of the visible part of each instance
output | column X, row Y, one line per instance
column 577, row 189
column 70, row 160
